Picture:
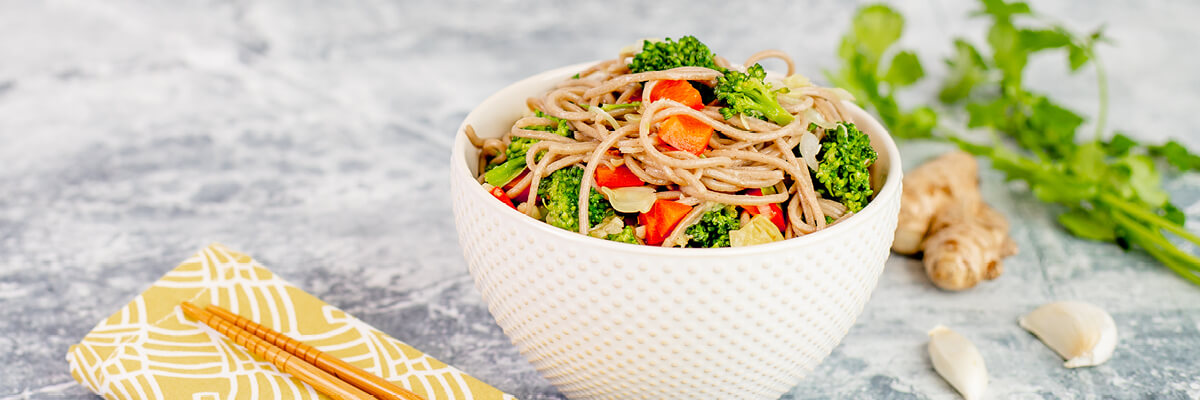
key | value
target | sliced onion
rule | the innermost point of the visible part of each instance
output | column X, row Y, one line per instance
column 630, row 199
column 796, row 81
column 842, row 94
column 636, row 47
column 611, row 226
column 760, row 230
column 809, row 147
column 604, row 114
column 815, row 117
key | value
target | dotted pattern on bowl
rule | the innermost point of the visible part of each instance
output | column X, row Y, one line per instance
column 603, row 324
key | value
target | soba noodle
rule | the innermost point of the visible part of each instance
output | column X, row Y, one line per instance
column 744, row 153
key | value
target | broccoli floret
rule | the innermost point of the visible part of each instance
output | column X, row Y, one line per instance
column 501, row 174
column 667, row 54
column 625, row 236
column 844, row 170
column 559, row 126
column 749, row 95
column 560, row 195
column 713, row 228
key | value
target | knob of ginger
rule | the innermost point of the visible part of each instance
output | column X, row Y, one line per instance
column 943, row 214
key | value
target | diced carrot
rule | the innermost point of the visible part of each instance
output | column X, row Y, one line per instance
column 680, row 91
column 773, row 210
column 685, row 133
column 661, row 219
column 616, row 177
column 499, row 194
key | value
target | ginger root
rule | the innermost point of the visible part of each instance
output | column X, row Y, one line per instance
column 943, row 214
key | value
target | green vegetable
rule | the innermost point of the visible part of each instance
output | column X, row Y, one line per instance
column 747, row 94
column 1114, row 199
column 874, row 79
column 625, row 236
column 667, row 54
column 714, row 226
column 500, row 174
column 844, row 168
column 560, row 195
column 1177, row 155
column 1110, row 190
column 1002, row 103
column 610, row 107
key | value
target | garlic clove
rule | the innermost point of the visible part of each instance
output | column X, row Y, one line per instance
column 1083, row 334
column 958, row 362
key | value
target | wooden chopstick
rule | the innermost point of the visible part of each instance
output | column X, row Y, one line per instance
column 322, row 381
column 364, row 380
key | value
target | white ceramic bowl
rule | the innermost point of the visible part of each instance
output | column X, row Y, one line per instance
column 607, row 320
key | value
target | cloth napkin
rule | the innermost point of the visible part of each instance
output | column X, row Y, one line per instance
column 150, row 350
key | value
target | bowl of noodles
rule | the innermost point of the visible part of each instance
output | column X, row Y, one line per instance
column 737, row 289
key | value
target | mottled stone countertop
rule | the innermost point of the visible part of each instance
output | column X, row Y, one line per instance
column 315, row 137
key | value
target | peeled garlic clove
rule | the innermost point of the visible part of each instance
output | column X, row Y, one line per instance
column 1083, row 334
column 958, row 362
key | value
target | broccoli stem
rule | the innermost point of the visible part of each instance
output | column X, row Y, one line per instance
column 776, row 113
column 506, row 172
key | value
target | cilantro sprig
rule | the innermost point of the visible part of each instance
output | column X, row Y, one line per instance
column 874, row 75
column 1109, row 190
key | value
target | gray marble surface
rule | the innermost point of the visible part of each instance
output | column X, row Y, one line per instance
column 314, row 135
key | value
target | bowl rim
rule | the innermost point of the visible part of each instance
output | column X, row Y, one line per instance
column 460, row 169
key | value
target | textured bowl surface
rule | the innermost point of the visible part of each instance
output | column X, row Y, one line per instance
column 607, row 320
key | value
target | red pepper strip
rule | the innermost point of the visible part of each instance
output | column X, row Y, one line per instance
column 773, row 210
column 618, row 177
column 685, row 133
column 524, row 195
column 499, row 194
column 661, row 219
column 680, row 91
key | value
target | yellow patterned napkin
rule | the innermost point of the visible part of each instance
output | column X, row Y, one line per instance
column 149, row 350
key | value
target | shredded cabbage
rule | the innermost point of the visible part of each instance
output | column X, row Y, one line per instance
column 810, row 146
column 637, row 199
column 759, row 230
column 611, row 226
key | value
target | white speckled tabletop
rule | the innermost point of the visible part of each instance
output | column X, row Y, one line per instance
column 315, row 136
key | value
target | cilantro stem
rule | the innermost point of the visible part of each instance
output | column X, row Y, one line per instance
column 1157, row 241
column 1148, row 216
column 1102, row 83
column 1159, row 248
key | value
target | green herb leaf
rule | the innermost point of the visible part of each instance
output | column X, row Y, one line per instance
column 1177, row 155
column 904, row 70
column 1007, row 52
column 1088, row 225
column 1001, row 10
column 967, row 69
column 1145, row 180
column 876, row 28
column 1119, row 145
column 1040, row 39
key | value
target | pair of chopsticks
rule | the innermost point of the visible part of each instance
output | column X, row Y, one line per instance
column 328, row 374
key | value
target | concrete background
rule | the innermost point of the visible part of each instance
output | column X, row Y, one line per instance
column 314, row 136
